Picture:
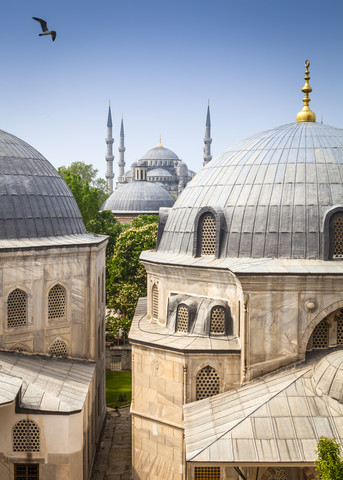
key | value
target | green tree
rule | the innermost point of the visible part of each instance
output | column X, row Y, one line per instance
column 86, row 197
column 88, row 174
column 329, row 464
column 126, row 280
column 105, row 223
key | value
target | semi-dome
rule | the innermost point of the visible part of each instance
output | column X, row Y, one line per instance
column 159, row 172
column 270, row 195
column 138, row 197
column 327, row 377
column 35, row 200
column 160, row 153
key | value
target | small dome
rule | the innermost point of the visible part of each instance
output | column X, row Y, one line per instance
column 138, row 197
column 159, row 172
column 160, row 153
column 35, row 200
column 273, row 192
column 327, row 377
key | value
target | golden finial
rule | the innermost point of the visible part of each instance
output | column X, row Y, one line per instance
column 306, row 114
column 160, row 144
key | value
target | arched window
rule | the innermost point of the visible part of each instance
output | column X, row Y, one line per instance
column 336, row 236
column 207, row 234
column 56, row 302
column 320, row 336
column 207, row 473
column 58, row 349
column 182, row 318
column 155, row 302
column 26, row 436
column 217, row 326
column 17, row 308
column 339, row 318
column 207, row 383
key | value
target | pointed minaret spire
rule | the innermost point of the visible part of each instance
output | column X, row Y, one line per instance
column 109, row 156
column 121, row 149
column 207, row 138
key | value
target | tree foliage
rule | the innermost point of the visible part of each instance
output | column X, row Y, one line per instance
column 126, row 275
column 105, row 223
column 88, row 190
column 329, row 464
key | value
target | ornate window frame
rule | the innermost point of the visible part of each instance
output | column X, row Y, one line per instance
column 328, row 232
column 218, row 215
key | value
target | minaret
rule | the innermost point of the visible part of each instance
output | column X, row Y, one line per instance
column 207, row 138
column 121, row 149
column 109, row 156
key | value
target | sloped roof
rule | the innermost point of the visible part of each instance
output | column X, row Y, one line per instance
column 278, row 419
column 47, row 384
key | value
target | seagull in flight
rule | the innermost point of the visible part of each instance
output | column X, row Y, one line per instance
column 45, row 29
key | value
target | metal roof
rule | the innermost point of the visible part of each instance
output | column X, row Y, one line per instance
column 274, row 190
column 159, row 172
column 278, row 419
column 34, row 199
column 45, row 383
column 138, row 197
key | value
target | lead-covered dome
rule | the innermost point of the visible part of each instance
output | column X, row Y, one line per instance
column 160, row 153
column 138, row 197
column 270, row 195
column 327, row 377
column 35, row 200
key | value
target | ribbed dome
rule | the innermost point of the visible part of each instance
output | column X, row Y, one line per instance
column 138, row 197
column 273, row 189
column 327, row 377
column 35, row 200
column 159, row 172
column 160, row 153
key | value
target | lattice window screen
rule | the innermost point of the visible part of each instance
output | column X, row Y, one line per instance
column 208, row 235
column 339, row 318
column 17, row 308
column 26, row 436
column 182, row 319
column 155, row 302
column 207, row 383
column 279, row 474
column 207, row 473
column 217, row 320
column 56, row 302
column 26, row 471
column 58, row 349
column 320, row 336
column 337, row 240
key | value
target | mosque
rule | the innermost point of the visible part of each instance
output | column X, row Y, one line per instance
column 52, row 310
column 237, row 356
column 152, row 182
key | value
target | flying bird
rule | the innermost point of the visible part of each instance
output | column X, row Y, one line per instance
column 45, row 29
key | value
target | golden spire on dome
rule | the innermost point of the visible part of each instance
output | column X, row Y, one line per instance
column 160, row 144
column 306, row 114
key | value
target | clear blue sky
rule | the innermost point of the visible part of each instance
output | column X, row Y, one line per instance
column 159, row 62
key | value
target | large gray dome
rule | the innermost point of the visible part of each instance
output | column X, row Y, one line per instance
column 35, row 200
column 272, row 192
column 160, row 153
column 138, row 197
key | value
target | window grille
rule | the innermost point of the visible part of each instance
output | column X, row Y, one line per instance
column 339, row 319
column 26, row 471
column 279, row 474
column 115, row 362
column 56, row 302
column 208, row 234
column 19, row 348
column 155, row 302
column 182, row 319
column 17, row 308
column 320, row 336
column 207, row 383
column 217, row 321
column 207, row 473
column 336, row 235
column 26, row 436
column 58, row 349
